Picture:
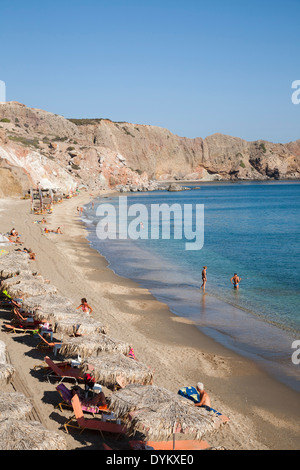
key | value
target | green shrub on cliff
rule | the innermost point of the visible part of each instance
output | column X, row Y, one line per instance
column 263, row 147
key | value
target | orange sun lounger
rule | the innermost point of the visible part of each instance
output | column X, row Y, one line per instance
column 169, row 445
column 62, row 373
column 93, row 424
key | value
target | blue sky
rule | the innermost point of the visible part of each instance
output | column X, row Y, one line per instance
column 194, row 67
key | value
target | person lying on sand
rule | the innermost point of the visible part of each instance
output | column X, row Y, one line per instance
column 86, row 308
column 31, row 254
column 18, row 241
column 48, row 230
column 29, row 251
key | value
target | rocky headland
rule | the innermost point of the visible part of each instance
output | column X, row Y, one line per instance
column 39, row 148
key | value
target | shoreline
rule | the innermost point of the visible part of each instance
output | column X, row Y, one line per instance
column 244, row 331
column 238, row 387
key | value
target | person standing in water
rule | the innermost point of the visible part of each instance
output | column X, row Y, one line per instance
column 86, row 308
column 204, row 278
column 235, row 280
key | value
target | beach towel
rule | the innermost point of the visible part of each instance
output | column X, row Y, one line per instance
column 190, row 393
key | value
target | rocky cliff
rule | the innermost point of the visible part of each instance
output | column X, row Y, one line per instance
column 42, row 148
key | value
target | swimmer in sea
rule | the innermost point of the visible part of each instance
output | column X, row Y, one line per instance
column 204, row 278
column 235, row 280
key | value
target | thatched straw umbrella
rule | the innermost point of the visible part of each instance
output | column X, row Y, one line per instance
column 158, row 414
column 14, row 405
column 30, row 288
column 6, row 373
column 135, row 396
column 24, row 435
column 2, row 351
column 13, row 263
column 6, row 370
column 170, row 418
column 21, row 277
column 92, row 345
column 110, row 368
column 79, row 324
column 48, row 303
column 54, row 316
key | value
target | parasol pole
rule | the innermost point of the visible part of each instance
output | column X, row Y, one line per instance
column 174, row 430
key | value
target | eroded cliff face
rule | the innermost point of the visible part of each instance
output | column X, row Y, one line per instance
column 58, row 152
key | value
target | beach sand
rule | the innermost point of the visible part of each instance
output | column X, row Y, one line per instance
column 264, row 414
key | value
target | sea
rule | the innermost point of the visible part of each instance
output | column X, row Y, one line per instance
column 248, row 228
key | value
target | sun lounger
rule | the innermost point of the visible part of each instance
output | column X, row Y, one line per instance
column 15, row 302
column 169, row 445
column 23, row 316
column 94, row 424
column 66, row 396
column 45, row 344
column 20, row 329
column 24, row 320
column 62, row 373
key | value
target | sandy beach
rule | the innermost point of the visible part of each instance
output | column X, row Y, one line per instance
column 264, row 414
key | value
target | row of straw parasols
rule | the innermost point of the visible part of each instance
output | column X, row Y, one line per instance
column 16, row 432
column 103, row 355
column 145, row 408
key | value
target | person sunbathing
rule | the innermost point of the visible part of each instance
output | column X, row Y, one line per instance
column 97, row 400
column 31, row 254
column 29, row 251
column 197, row 395
column 46, row 328
column 203, row 395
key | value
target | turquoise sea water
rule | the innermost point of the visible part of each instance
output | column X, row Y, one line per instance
column 249, row 228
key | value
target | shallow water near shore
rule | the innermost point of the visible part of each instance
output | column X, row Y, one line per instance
column 249, row 228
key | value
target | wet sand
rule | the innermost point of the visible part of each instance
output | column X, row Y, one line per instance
column 264, row 414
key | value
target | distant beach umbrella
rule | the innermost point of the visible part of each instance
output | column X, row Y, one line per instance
column 18, row 434
column 30, row 288
column 159, row 414
column 24, row 276
column 92, row 345
column 111, row 368
column 13, row 263
column 79, row 324
column 14, row 405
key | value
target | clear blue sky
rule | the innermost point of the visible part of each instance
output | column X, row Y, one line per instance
column 194, row 67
